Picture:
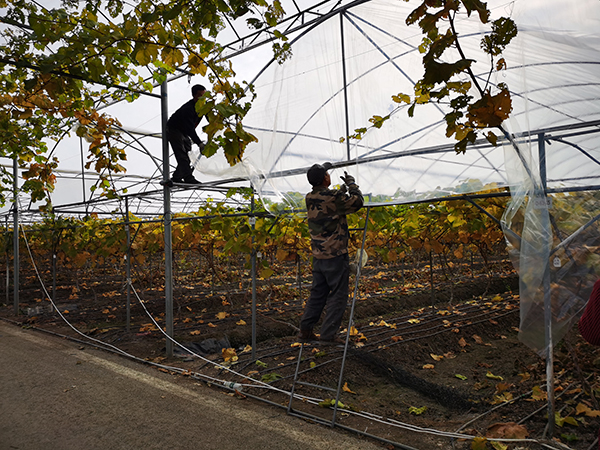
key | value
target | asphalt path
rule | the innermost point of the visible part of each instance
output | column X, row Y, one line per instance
column 59, row 394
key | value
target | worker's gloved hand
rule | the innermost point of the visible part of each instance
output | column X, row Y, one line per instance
column 348, row 179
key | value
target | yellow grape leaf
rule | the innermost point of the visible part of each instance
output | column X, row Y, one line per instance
column 498, row 445
column 584, row 409
column 414, row 321
column 525, row 376
column 347, row 389
column 428, row 366
column 313, row 364
column 281, row 254
column 494, row 377
column 502, row 398
column 247, row 348
column 265, row 272
column 497, row 298
column 417, row 411
column 296, row 344
column 240, row 322
column 229, row 354
column 538, row 394
column 195, row 332
column 396, row 338
column 501, row 387
column 222, row 315
column 436, row 357
column 479, row 443
column 187, row 320
column 462, row 342
column 560, row 421
column 460, row 377
column 212, row 325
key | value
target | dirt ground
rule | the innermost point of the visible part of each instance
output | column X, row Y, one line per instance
column 423, row 366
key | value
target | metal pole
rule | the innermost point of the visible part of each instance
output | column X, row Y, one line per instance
column 83, row 175
column 15, row 236
column 128, row 266
column 54, row 249
column 547, row 303
column 350, row 320
column 345, row 86
column 253, row 258
column 167, row 224
column 7, row 265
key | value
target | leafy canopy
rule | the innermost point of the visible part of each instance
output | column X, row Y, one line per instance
column 59, row 65
column 451, row 81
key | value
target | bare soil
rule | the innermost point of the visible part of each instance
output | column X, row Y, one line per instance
column 446, row 359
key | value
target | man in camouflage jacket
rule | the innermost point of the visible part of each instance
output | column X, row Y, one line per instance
column 328, row 226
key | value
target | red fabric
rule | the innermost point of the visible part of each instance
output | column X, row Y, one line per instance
column 589, row 324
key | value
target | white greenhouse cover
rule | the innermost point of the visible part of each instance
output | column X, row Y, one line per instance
column 345, row 68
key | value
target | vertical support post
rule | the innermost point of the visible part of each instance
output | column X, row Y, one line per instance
column 167, row 223
column 16, row 236
column 6, row 253
column 547, row 303
column 345, row 86
column 54, row 249
column 83, row 176
column 542, row 158
column 128, row 265
column 253, row 258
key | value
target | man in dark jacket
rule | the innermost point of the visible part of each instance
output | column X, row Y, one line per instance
column 181, row 131
column 328, row 226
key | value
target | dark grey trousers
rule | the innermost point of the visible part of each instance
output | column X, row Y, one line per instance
column 181, row 145
column 329, row 291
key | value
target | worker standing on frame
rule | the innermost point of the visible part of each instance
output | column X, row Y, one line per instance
column 328, row 227
column 181, row 132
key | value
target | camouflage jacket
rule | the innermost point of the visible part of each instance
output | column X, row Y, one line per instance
column 327, row 223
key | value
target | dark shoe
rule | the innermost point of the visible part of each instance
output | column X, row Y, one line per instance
column 177, row 180
column 307, row 336
column 168, row 183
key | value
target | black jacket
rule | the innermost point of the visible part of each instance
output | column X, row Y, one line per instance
column 185, row 120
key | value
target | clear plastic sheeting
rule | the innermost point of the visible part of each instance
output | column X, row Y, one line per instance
column 346, row 69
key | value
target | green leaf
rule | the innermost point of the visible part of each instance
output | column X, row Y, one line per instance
column 261, row 364
column 270, row 377
column 460, row 377
column 417, row 411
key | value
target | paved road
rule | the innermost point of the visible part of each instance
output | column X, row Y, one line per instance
column 56, row 394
